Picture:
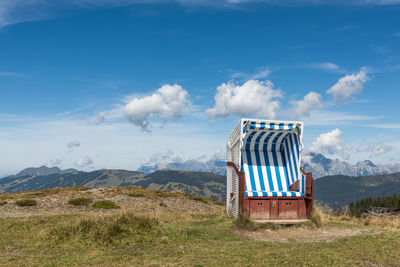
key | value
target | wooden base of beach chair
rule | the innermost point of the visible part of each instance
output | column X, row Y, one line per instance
column 276, row 208
column 286, row 222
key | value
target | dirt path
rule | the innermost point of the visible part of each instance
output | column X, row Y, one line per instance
column 303, row 234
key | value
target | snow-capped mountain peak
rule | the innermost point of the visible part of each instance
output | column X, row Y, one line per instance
column 320, row 166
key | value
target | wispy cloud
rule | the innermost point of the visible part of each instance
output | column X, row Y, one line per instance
column 324, row 117
column 321, row 66
column 377, row 49
column 345, row 28
column 35, row 140
column 385, row 126
column 396, row 34
column 4, row 73
column 259, row 73
column 329, row 66
column 74, row 143
column 379, row 149
column 16, row 11
column 100, row 118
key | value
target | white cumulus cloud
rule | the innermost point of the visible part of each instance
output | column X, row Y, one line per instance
column 349, row 85
column 168, row 103
column 157, row 158
column 329, row 143
column 74, row 143
column 53, row 163
column 253, row 98
column 301, row 108
column 379, row 149
column 100, row 117
column 84, row 161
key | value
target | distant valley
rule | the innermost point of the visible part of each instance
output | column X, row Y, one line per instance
column 336, row 191
column 205, row 184
column 340, row 190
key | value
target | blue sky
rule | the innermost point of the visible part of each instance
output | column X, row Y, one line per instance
column 114, row 84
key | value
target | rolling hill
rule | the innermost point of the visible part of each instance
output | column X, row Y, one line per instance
column 340, row 190
column 205, row 184
column 335, row 191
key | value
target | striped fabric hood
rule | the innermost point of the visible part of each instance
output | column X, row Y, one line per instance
column 270, row 157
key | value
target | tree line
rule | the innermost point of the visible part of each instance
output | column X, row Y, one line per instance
column 366, row 204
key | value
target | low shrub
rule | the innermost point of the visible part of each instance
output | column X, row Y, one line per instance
column 316, row 218
column 105, row 204
column 26, row 202
column 136, row 194
column 198, row 198
column 245, row 223
column 220, row 203
column 81, row 201
column 2, row 203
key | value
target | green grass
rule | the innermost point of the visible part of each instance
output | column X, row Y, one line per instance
column 179, row 239
column 26, row 202
column 105, row 204
column 81, row 201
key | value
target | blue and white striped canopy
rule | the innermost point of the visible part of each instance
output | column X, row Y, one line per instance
column 270, row 157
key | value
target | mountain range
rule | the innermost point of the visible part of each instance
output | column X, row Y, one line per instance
column 316, row 163
column 215, row 166
column 335, row 191
column 320, row 166
column 205, row 184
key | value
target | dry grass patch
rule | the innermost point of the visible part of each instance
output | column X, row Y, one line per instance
column 198, row 198
column 46, row 192
column 182, row 239
column 105, row 230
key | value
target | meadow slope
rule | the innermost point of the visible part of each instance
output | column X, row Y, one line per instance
column 159, row 228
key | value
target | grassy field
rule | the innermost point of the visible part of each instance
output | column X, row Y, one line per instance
column 126, row 237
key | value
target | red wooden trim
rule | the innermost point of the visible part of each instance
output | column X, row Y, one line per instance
column 242, row 189
column 242, row 186
column 304, row 172
column 233, row 165
column 294, row 186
